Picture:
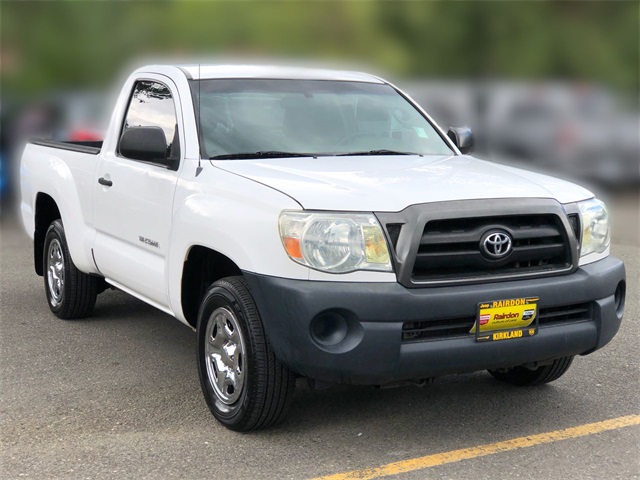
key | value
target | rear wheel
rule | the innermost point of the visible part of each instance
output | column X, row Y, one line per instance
column 525, row 377
column 70, row 293
column 245, row 386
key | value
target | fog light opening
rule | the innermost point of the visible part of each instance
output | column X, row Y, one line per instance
column 329, row 328
column 619, row 298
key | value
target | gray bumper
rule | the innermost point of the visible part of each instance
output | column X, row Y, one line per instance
column 372, row 351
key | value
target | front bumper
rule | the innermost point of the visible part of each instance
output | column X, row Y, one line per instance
column 373, row 352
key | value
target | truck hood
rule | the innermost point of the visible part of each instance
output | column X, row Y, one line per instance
column 392, row 183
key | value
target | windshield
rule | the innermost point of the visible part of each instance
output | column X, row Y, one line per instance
column 315, row 117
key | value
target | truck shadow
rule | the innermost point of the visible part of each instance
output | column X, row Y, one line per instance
column 453, row 412
column 459, row 404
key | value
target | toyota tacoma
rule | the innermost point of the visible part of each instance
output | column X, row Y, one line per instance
column 317, row 223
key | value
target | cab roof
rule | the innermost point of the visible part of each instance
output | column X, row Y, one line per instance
column 198, row 72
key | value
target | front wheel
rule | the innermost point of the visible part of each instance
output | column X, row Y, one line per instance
column 245, row 386
column 525, row 377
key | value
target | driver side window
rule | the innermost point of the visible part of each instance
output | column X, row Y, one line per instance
column 151, row 105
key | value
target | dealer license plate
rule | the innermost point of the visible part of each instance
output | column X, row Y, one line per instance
column 506, row 319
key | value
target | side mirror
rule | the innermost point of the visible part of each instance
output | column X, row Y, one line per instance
column 145, row 143
column 462, row 137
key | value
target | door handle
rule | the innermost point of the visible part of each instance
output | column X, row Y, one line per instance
column 105, row 182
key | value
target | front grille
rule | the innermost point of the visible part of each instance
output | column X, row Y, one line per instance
column 460, row 326
column 450, row 249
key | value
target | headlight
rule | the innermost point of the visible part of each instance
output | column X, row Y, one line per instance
column 335, row 242
column 596, row 231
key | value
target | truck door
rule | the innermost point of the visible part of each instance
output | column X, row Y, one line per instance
column 133, row 199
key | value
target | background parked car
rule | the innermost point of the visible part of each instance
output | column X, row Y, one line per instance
column 577, row 131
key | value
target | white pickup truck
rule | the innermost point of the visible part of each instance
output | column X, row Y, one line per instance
column 315, row 223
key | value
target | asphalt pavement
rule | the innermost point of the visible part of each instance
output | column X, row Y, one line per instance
column 117, row 396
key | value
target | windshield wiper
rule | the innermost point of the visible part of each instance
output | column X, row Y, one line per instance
column 375, row 152
column 262, row 154
column 279, row 154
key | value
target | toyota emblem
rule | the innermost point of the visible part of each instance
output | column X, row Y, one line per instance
column 497, row 245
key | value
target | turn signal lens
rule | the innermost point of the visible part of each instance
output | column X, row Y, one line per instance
column 292, row 246
column 375, row 245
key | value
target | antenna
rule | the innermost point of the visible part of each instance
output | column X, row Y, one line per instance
column 199, row 169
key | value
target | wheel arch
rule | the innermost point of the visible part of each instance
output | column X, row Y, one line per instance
column 202, row 266
column 46, row 211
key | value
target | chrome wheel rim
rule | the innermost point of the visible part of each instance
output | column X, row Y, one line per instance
column 225, row 355
column 55, row 272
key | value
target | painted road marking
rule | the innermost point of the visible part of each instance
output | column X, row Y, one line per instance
column 482, row 450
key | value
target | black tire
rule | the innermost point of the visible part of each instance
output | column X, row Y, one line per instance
column 75, row 296
column 262, row 388
column 524, row 377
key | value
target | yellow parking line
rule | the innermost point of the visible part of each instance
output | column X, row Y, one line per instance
column 482, row 450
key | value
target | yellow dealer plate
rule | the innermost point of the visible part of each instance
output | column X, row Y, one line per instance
column 506, row 319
